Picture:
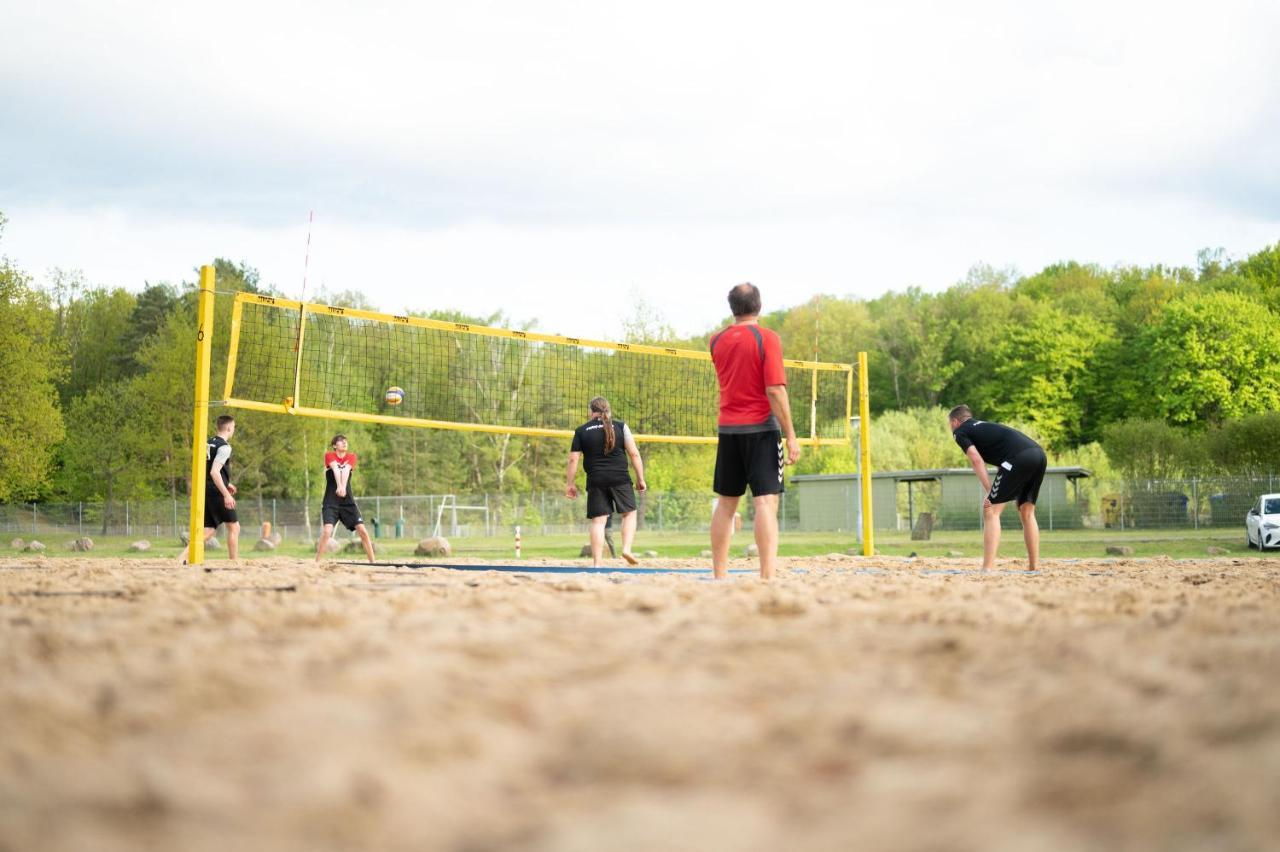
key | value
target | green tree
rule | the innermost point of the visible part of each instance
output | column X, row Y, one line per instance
column 1213, row 356
column 1147, row 448
column 1039, row 370
column 103, row 458
column 32, row 362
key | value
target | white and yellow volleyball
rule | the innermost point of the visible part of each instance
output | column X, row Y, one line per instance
column 394, row 396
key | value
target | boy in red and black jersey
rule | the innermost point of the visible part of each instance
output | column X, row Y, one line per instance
column 755, row 415
column 339, row 503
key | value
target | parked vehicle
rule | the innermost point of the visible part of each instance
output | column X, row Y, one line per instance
column 1262, row 524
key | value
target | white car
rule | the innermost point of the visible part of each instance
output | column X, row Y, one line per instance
column 1262, row 524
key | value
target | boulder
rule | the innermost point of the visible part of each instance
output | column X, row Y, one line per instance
column 83, row 545
column 184, row 537
column 275, row 538
column 650, row 554
column 439, row 546
column 332, row 546
column 954, row 554
column 140, row 546
column 1119, row 550
column 586, row 550
column 213, row 544
column 1216, row 551
column 264, row 544
column 706, row 554
column 353, row 545
column 752, row 550
column 17, row 544
column 34, row 547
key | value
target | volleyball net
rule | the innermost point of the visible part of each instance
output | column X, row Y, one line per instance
column 335, row 362
column 313, row 360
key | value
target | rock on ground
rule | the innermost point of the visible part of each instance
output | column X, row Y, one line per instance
column 436, row 546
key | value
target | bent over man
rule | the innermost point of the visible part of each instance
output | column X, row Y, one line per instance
column 1020, row 464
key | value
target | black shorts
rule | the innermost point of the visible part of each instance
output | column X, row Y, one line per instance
column 1019, row 477
column 348, row 513
column 753, row 458
column 216, row 512
column 607, row 499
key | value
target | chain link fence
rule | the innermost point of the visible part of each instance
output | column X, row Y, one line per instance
column 404, row 516
column 1097, row 504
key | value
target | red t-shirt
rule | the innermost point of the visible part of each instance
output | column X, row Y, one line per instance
column 748, row 358
column 347, row 459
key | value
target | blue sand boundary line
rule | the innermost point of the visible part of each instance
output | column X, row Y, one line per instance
column 546, row 569
column 574, row 569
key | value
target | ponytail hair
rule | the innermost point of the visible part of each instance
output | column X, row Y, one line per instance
column 600, row 405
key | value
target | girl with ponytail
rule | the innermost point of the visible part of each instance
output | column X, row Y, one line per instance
column 604, row 445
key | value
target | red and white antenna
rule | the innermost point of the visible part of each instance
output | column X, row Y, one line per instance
column 306, row 259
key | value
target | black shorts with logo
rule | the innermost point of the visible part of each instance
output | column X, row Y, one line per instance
column 347, row 513
column 607, row 499
column 1019, row 477
column 751, row 458
column 216, row 511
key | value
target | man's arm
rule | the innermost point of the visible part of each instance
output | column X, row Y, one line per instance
column 633, row 453
column 341, row 475
column 571, row 474
column 979, row 467
column 780, row 404
column 215, row 476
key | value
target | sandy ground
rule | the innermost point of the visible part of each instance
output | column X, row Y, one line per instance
column 849, row 704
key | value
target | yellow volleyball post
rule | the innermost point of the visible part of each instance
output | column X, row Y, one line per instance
column 200, row 417
column 864, row 448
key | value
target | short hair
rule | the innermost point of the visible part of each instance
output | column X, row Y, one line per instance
column 744, row 300
column 223, row 420
column 337, row 438
column 961, row 413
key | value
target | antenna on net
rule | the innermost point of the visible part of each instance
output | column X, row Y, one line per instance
column 306, row 258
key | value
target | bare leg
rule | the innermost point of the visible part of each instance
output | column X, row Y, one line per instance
column 364, row 539
column 722, row 534
column 628, row 535
column 1031, row 534
column 991, row 535
column 608, row 538
column 325, row 535
column 185, row 556
column 233, row 540
column 766, row 527
column 597, row 539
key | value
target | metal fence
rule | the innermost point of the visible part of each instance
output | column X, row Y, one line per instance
column 402, row 516
column 1097, row 503
column 1145, row 504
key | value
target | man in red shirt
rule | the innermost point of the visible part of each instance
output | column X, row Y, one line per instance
column 755, row 414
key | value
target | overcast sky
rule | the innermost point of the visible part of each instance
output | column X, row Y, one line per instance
column 558, row 160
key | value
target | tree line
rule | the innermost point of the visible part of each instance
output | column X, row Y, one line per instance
column 1152, row 371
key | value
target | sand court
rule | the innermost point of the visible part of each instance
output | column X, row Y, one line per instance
column 276, row 704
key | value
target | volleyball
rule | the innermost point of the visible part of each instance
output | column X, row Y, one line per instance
column 395, row 396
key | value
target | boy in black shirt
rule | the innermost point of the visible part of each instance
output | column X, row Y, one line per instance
column 605, row 445
column 1020, row 464
column 219, row 493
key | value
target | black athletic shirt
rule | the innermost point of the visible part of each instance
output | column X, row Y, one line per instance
column 995, row 443
column 217, row 448
column 602, row 469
